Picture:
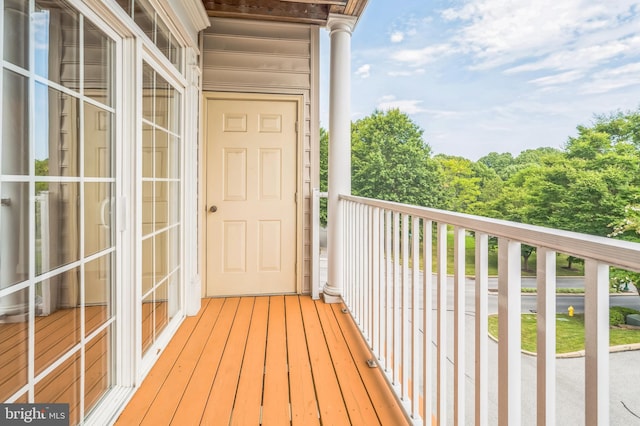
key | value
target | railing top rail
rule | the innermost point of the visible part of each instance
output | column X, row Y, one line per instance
column 623, row 254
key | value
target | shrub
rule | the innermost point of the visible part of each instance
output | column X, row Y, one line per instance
column 618, row 314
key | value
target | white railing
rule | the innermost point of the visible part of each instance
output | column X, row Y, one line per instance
column 389, row 290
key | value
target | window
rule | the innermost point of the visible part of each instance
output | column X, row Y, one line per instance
column 151, row 24
column 161, row 204
column 57, row 184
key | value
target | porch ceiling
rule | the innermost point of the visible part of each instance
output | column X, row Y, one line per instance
column 297, row 11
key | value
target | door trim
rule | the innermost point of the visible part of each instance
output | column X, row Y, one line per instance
column 235, row 96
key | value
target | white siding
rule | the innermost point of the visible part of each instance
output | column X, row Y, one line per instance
column 266, row 57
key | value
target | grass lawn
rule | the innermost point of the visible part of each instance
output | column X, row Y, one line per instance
column 569, row 333
column 470, row 256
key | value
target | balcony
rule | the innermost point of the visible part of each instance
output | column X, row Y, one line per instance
column 293, row 360
column 265, row 360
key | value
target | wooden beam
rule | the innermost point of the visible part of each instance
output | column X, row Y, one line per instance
column 271, row 10
column 338, row 2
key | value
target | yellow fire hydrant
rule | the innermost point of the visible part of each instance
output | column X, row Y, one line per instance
column 570, row 311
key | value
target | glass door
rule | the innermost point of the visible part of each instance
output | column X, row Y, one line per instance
column 57, row 227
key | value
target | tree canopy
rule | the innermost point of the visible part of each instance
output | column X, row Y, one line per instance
column 391, row 161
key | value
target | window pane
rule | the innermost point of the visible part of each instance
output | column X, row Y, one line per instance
column 174, row 248
column 147, row 207
column 161, row 308
column 161, row 254
column 174, row 158
column 14, row 225
column 174, row 110
column 161, row 203
column 148, row 280
column 13, row 343
column 163, row 37
column 174, row 294
column 161, row 154
column 147, row 151
column 98, row 60
column 144, row 16
column 147, row 322
column 99, row 285
column 56, row 133
column 148, row 85
column 62, row 385
column 162, row 102
column 57, row 327
column 97, row 372
column 15, row 124
column 98, row 142
column 57, row 35
column 57, row 225
column 16, row 32
column 173, row 207
column 99, row 220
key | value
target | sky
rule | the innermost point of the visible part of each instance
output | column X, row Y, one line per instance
column 481, row 76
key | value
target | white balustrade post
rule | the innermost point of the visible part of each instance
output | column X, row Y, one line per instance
column 546, row 324
column 340, row 27
column 596, row 342
column 509, row 333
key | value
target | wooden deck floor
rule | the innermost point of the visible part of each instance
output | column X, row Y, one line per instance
column 275, row 360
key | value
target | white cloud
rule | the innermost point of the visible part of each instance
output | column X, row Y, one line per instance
column 583, row 58
column 613, row 79
column 417, row 57
column 364, row 71
column 501, row 32
column 397, row 36
column 409, row 106
column 410, row 73
column 562, row 78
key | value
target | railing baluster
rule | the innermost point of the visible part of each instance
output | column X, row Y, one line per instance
column 396, row 300
column 388, row 291
column 427, row 322
column 359, row 278
column 383, row 304
column 442, row 324
column 406, row 342
column 509, row 333
column 415, row 319
column 482, row 302
column 366, row 260
column 596, row 316
column 459, row 327
column 375, row 277
column 546, row 324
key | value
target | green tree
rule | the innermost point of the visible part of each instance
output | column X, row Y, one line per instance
column 391, row 161
column 324, row 173
column 470, row 184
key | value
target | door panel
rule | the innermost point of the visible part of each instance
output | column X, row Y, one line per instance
column 251, row 180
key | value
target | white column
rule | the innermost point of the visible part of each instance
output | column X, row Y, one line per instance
column 340, row 27
column 193, row 101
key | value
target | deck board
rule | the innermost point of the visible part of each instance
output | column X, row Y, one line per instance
column 248, row 403
column 220, row 404
column 198, row 392
column 274, row 360
column 304, row 407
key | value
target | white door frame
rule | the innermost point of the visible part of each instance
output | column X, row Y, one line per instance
column 299, row 99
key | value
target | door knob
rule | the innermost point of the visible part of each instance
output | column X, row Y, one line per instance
column 213, row 209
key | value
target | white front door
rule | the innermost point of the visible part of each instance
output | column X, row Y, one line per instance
column 251, row 183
